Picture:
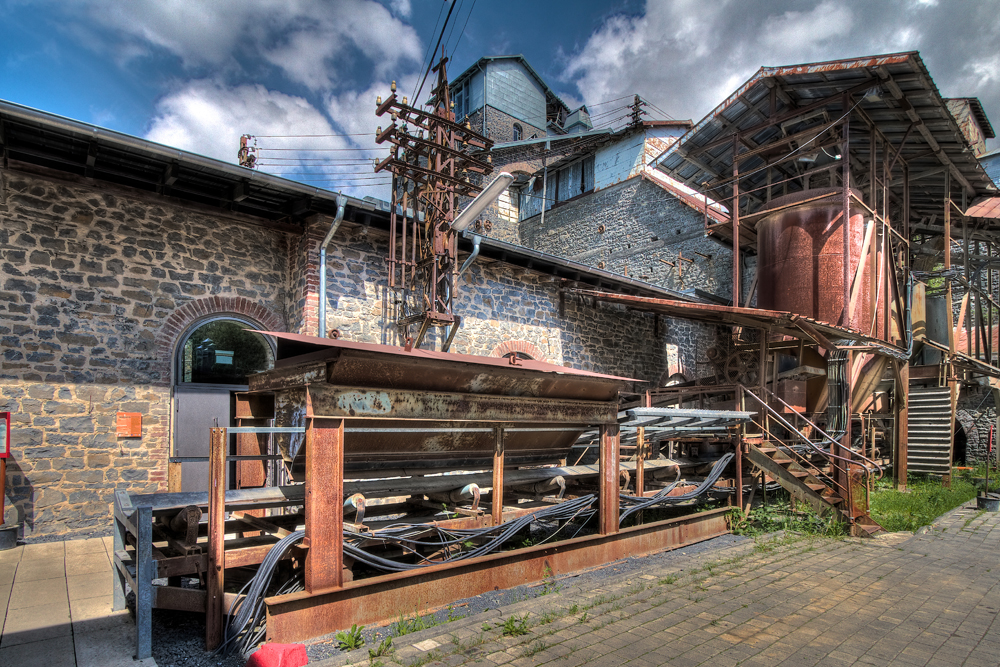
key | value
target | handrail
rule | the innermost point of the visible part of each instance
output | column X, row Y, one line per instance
column 812, row 468
column 829, row 438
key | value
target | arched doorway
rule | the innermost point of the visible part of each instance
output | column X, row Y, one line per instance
column 960, row 449
column 214, row 357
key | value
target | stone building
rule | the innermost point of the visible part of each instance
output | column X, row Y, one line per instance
column 134, row 275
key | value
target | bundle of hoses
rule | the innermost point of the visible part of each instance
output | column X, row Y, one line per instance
column 629, row 505
column 246, row 618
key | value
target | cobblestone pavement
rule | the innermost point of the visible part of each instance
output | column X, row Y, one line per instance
column 929, row 599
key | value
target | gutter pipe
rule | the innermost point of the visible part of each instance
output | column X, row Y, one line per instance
column 341, row 205
column 476, row 240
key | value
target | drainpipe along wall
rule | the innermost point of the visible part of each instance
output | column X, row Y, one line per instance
column 341, row 205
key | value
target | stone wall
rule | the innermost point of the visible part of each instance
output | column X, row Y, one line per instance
column 976, row 414
column 89, row 286
column 634, row 228
column 499, row 303
column 500, row 125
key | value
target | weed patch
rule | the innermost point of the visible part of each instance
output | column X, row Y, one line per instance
column 924, row 501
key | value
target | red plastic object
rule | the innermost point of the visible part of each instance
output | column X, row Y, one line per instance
column 279, row 655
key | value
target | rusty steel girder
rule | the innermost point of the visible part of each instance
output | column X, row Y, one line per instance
column 299, row 616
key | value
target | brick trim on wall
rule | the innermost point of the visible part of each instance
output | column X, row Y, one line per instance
column 192, row 311
column 522, row 346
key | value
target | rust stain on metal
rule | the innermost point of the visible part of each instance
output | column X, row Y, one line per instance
column 362, row 403
column 303, row 615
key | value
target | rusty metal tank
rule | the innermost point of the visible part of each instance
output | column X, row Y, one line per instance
column 382, row 390
column 801, row 257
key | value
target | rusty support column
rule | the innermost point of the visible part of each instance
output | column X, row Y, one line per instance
column 324, row 504
column 952, row 324
column 609, row 472
column 841, row 467
column 215, row 602
column 498, row 456
column 735, row 214
column 901, row 404
column 640, row 460
column 846, row 162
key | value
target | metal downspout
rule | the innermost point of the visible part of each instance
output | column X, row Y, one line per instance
column 341, row 205
column 476, row 240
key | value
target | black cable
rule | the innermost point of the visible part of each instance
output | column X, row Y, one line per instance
column 430, row 64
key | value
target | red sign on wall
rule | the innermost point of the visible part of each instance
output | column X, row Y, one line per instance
column 129, row 424
column 4, row 439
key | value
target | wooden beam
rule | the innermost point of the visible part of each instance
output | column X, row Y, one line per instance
column 498, row 460
column 609, row 472
column 856, row 283
column 214, row 606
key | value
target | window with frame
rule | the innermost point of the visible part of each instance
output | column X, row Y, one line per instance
column 518, row 132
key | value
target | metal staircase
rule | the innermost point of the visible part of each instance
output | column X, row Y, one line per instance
column 929, row 430
column 805, row 467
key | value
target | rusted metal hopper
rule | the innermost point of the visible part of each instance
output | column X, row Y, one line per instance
column 390, row 397
column 801, row 258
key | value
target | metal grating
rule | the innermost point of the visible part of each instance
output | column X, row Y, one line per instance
column 929, row 431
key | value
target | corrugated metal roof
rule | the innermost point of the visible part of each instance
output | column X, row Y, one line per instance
column 704, row 155
column 988, row 207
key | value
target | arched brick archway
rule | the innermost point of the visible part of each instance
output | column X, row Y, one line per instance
column 522, row 346
column 192, row 311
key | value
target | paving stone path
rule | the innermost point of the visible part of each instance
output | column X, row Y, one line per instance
column 928, row 599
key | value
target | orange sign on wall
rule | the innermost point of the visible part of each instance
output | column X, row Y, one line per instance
column 129, row 424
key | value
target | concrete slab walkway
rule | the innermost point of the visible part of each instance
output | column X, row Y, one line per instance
column 902, row 601
column 55, row 608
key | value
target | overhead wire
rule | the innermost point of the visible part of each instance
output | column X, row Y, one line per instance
column 430, row 63
column 427, row 52
column 454, row 49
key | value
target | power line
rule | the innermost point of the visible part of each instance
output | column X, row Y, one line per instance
column 308, row 136
column 462, row 34
column 452, row 31
column 322, row 150
column 429, row 64
column 427, row 53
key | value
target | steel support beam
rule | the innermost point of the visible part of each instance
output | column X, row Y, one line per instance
column 324, row 567
column 337, row 402
column 299, row 616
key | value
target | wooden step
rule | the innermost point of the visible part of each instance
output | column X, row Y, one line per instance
column 818, row 487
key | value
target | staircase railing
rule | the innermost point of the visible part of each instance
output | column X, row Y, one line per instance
column 852, row 459
column 855, row 457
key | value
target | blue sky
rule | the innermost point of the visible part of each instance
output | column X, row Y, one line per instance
column 196, row 75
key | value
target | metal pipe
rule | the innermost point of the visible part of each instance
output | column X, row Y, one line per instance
column 341, row 205
column 476, row 240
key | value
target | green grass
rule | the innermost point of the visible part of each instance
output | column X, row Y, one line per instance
column 924, row 501
column 778, row 515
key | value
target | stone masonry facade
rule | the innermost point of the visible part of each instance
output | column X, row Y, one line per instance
column 634, row 228
column 94, row 289
column 100, row 285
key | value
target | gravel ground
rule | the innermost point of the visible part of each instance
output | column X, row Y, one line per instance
column 179, row 638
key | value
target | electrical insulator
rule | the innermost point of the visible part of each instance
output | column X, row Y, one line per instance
column 489, row 158
column 452, row 106
column 404, row 99
column 394, row 116
column 378, row 131
column 393, row 87
column 378, row 101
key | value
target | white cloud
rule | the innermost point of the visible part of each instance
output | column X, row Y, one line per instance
column 311, row 41
column 687, row 56
column 208, row 118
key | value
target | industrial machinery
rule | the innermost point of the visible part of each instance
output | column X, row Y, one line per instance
column 416, row 474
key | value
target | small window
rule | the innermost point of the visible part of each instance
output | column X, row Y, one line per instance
column 517, row 132
column 223, row 351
